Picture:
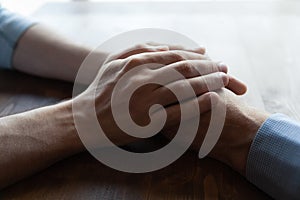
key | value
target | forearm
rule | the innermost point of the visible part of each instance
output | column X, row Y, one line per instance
column 42, row 52
column 34, row 140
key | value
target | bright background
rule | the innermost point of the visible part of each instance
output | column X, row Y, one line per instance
column 26, row 7
column 258, row 39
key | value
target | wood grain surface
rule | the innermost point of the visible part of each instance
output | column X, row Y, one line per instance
column 83, row 177
column 258, row 41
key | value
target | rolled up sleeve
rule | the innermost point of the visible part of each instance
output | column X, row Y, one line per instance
column 12, row 26
column 274, row 159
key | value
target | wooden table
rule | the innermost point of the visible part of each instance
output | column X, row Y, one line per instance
column 258, row 40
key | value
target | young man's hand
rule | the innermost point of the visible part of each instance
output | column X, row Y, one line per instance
column 241, row 125
column 157, row 61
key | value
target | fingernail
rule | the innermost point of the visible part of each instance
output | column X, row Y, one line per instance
column 223, row 67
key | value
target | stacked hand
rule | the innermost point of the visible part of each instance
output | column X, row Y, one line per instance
column 157, row 61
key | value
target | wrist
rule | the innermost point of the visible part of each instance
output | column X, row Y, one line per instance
column 243, row 128
column 63, row 117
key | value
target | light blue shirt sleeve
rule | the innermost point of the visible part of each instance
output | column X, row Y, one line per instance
column 274, row 159
column 12, row 26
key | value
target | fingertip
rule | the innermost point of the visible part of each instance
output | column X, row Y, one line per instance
column 225, row 78
column 236, row 86
column 219, row 81
column 200, row 50
column 222, row 67
column 244, row 90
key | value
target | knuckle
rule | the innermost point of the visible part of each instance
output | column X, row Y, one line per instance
column 114, row 66
column 183, row 85
column 201, row 85
column 177, row 56
column 132, row 62
column 223, row 77
column 213, row 66
column 139, row 79
column 214, row 98
column 205, row 97
column 186, row 68
column 140, row 46
column 202, row 57
column 216, row 80
column 210, row 96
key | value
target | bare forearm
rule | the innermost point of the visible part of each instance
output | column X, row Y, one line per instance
column 42, row 52
column 34, row 140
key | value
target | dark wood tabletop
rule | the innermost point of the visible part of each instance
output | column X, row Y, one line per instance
column 261, row 52
column 83, row 177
